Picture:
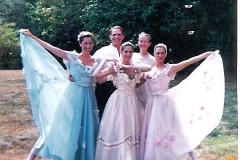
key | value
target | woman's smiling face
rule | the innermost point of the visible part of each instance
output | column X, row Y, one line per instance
column 160, row 54
column 87, row 44
column 127, row 53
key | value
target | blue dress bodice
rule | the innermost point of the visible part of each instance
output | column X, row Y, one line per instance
column 82, row 73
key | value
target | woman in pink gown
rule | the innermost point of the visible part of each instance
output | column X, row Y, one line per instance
column 176, row 120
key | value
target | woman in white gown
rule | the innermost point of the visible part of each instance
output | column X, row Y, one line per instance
column 142, row 92
column 176, row 120
column 118, row 137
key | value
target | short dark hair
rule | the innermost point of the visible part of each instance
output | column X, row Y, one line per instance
column 125, row 44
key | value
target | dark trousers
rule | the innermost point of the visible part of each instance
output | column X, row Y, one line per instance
column 103, row 92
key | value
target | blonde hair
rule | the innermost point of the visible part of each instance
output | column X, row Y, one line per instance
column 144, row 34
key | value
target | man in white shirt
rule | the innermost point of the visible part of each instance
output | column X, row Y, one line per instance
column 112, row 51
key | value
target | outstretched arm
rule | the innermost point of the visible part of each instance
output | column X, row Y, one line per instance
column 57, row 51
column 179, row 66
column 101, row 74
column 141, row 67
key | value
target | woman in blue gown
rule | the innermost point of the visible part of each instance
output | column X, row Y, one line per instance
column 65, row 113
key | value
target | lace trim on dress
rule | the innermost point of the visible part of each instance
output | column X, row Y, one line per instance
column 112, row 145
column 73, row 56
column 124, row 76
column 161, row 74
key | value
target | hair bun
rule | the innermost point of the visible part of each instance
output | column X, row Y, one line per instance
column 84, row 33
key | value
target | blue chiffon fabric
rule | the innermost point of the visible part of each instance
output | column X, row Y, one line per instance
column 64, row 112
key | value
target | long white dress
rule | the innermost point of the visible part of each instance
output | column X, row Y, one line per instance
column 118, row 137
column 176, row 120
column 142, row 92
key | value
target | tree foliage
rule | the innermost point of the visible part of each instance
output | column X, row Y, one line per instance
column 59, row 21
column 9, row 47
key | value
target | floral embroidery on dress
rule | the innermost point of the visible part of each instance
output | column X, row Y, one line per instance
column 165, row 142
column 44, row 80
column 207, row 85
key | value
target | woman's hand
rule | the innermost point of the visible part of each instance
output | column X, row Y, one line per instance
column 110, row 59
column 206, row 54
column 216, row 52
column 26, row 32
column 71, row 78
column 112, row 68
column 120, row 65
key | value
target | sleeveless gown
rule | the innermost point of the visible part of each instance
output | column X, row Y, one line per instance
column 64, row 112
column 178, row 119
column 118, row 136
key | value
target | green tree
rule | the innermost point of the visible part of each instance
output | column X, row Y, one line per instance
column 9, row 47
column 59, row 21
column 14, row 11
column 213, row 23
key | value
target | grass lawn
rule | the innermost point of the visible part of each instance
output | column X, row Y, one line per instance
column 18, row 132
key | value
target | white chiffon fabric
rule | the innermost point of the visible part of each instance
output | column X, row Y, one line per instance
column 178, row 119
column 142, row 92
column 119, row 133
